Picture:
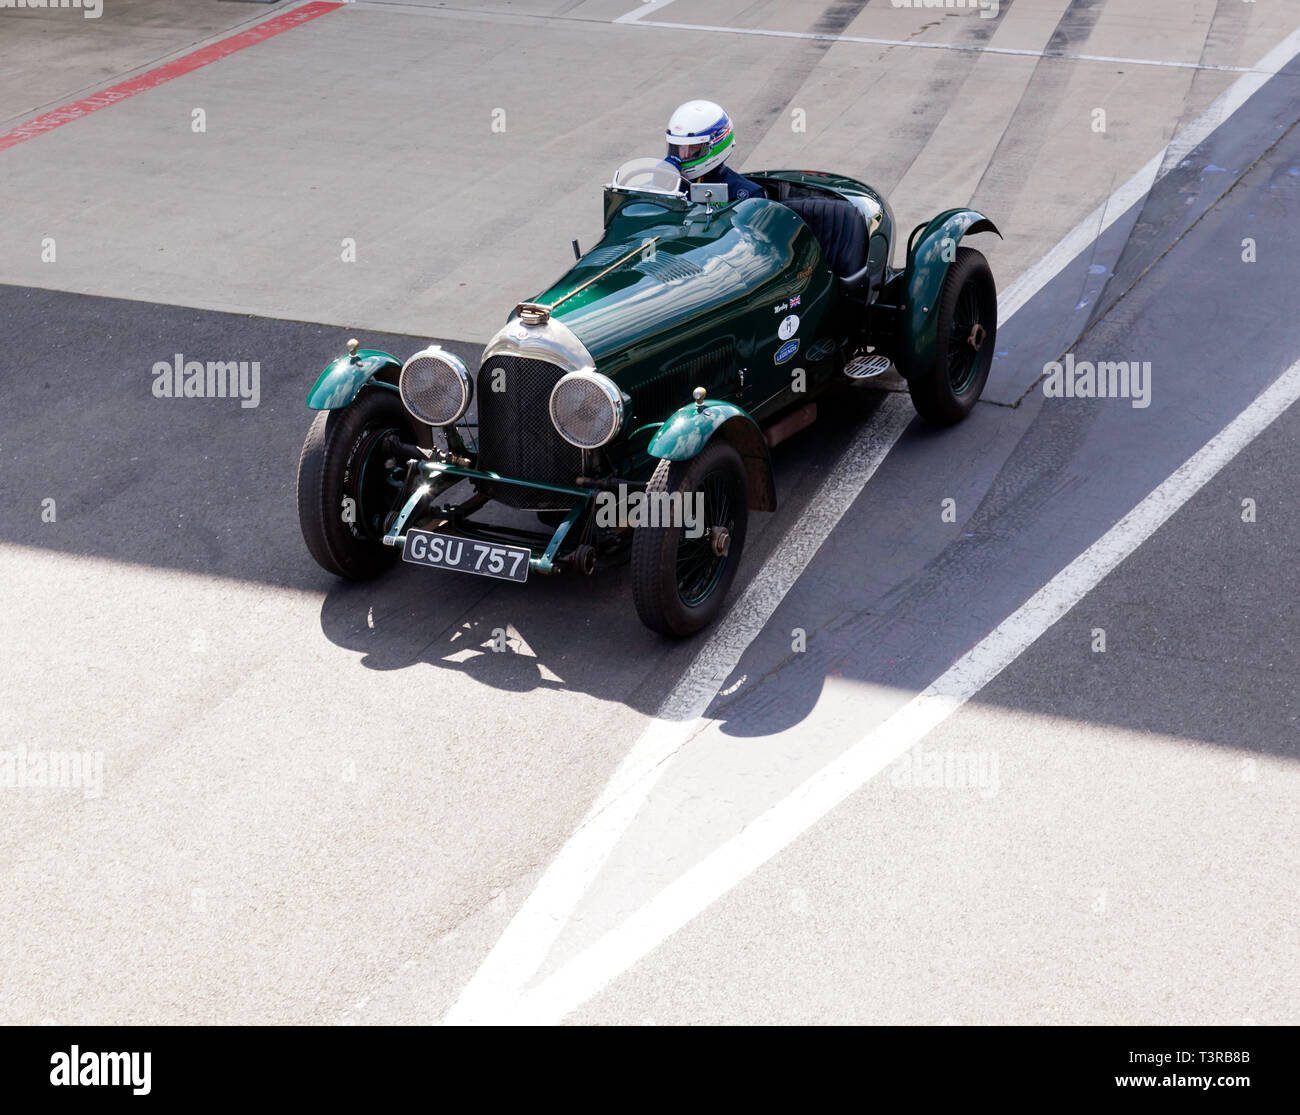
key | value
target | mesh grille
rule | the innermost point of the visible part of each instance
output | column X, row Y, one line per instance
column 515, row 435
column 431, row 390
column 584, row 412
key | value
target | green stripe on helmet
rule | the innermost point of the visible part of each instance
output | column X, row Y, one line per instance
column 710, row 153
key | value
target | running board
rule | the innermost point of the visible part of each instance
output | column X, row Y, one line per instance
column 790, row 425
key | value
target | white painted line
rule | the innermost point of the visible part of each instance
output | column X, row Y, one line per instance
column 494, row 993
column 970, row 48
column 646, row 7
column 496, row 988
column 1135, row 189
column 691, row 893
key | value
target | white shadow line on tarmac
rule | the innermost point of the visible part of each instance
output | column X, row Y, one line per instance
column 496, row 993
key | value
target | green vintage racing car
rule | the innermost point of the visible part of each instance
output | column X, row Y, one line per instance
column 631, row 406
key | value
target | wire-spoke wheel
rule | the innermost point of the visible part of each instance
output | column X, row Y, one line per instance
column 967, row 328
column 681, row 571
column 348, row 482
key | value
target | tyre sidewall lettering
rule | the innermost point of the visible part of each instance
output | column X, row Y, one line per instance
column 353, row 464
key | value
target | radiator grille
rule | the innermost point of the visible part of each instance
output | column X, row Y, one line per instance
column 515, row 434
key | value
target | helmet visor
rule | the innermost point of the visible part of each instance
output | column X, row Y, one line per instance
column 686, row 153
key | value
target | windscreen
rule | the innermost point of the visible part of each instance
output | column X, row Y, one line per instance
column 649, row 176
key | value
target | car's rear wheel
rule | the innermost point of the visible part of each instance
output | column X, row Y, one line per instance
column 348, row 483
column 679, row 583
column 946, row 391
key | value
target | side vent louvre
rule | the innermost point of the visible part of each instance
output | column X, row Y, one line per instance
column 668, row 268
column 672, row 387
column 599, row 257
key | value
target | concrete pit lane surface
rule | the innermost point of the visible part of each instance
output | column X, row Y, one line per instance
column 1000, row 724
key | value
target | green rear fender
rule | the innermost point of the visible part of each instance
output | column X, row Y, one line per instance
column 340, row 381
column 690, row 429
column 932, row 252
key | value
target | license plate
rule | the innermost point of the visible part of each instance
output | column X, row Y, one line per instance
column 446, row 551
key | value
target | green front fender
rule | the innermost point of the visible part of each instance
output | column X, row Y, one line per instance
column 690, row 429
column 340, row 381
column 928, row 260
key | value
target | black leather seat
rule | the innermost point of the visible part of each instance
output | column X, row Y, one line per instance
column 839, row 228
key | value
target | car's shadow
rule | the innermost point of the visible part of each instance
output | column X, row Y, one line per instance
column 565, row 631
column 206, row 486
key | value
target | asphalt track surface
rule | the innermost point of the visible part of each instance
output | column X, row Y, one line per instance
column 328, row 802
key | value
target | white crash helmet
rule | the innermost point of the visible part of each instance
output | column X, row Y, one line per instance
column 700, row 138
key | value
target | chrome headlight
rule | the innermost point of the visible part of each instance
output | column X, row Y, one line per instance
column 435, row 386
column 587, row 409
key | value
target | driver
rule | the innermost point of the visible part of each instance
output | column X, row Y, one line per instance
column 700, row 138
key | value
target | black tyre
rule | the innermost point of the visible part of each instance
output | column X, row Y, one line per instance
column 946, row 391
column 679, row 583
column 348, row 484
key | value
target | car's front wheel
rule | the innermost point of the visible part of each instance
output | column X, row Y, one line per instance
column 348, row 483
column 948, row 389
column 682, row 569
